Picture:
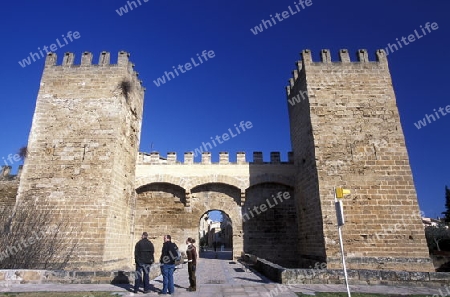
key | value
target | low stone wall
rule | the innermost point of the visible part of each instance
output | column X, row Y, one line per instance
column 271, row 270
column 321, row 275
column 23, row 276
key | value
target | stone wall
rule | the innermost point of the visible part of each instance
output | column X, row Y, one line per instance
column 82, row 151
column 311, row 244
column 160, row 211
column 347, row 132
column 319, row 274
column 270, row 229
column 26, row 276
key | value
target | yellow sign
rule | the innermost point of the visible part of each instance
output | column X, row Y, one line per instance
column 340, row 193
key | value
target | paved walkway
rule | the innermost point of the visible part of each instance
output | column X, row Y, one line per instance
column 223, row 277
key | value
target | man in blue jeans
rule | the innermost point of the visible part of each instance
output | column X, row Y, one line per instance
column 168, row 255
column 143, row 257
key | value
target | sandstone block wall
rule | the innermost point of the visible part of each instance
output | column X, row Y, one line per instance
column 271, row 229
column 347, row 132
column 311, row 242
column 82, row 150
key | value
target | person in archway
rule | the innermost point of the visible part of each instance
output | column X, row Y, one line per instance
column 168, row 255
column 143, row 257
column 191, row 253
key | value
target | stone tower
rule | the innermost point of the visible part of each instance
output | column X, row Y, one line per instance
column 346, row 131
column 82, row 153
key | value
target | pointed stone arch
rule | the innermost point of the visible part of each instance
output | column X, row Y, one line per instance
column 226, row 229
column 222, row 197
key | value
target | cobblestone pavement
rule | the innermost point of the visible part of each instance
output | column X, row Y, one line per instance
column 222, row 277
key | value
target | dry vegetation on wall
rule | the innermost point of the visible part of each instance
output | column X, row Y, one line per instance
column 34, row 239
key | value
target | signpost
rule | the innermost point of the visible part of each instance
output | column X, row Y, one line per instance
column 339, row 193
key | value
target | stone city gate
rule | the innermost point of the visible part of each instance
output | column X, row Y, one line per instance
column 170, row 200
column 83, row 166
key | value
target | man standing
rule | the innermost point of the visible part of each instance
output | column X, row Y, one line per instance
column 191, row 253
column 168, row 255
column 143, row 257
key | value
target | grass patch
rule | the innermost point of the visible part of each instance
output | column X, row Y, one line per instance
column 333, row 294
column 63, row 294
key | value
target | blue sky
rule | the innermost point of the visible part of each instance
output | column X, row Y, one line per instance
column 245, row 79
column 215, row 215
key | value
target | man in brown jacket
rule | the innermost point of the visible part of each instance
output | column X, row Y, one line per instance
column 191, row 253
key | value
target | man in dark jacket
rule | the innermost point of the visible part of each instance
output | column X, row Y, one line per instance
column 168, row 255
column 143, row 257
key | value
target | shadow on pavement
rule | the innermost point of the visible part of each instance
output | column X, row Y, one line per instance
column 261, row 281
column 220, row 255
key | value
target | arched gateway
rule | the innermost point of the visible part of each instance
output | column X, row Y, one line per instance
column 168, row 201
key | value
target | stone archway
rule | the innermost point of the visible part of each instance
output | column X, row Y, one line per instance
column 225, row 198
column 160, row 205
column 167, row 208
column 220, row 231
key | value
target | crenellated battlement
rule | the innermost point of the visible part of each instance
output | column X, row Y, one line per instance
column 102, row 65
column 87, row 58
column 362, row 56
column 362, row 59
column 154, row 158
